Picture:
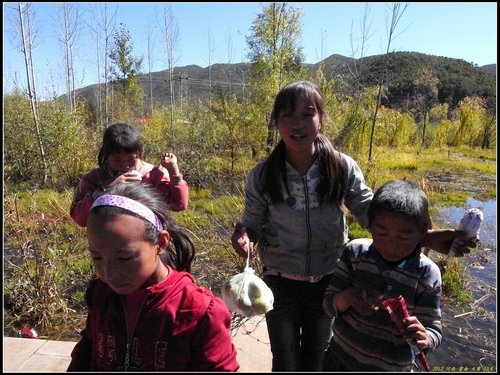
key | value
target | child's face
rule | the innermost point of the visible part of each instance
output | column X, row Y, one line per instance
column 121, row 162
column 394, row 236
column 121, row 256
column 300, row 127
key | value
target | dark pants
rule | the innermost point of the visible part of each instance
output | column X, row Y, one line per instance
column 299, row 330
column 332, row 364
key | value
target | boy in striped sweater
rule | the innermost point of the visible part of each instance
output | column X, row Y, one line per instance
column 388, row 265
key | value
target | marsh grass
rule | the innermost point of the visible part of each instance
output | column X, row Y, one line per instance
column 44, row 263
column 454, row 282
column 47, row 268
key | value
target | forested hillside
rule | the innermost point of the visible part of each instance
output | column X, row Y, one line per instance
column 457, row 78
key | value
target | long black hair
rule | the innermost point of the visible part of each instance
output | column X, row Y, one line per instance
column 332, row 185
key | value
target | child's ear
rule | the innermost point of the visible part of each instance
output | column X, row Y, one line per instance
column 163, row 239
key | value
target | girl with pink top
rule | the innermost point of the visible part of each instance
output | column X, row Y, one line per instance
column 119, row 162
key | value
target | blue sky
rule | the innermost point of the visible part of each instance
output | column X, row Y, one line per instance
column 460, row 30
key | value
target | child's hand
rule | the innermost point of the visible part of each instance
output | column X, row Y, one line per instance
column 126, row 177
column 240, row 241
column 361, row 301
column 169, row 161
column 441, row 240
column 415, row 333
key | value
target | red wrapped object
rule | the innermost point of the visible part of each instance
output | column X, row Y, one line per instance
column 398, row 311
column 28, row 332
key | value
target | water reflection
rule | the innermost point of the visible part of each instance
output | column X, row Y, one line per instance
column 451, row 217
column 469, row 338
column 481, row 264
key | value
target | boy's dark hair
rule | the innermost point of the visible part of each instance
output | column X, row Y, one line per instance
column 119, row 137
column 404, row 198
column 332, row 170
column 180, row 251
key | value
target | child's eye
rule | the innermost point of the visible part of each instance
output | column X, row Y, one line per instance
column 126, row 258
column 94, row 255
column 380, row 233
column 405, row 238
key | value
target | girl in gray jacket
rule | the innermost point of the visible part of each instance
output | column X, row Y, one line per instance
column 295, row 202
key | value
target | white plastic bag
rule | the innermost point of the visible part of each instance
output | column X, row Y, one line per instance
column 247, row 294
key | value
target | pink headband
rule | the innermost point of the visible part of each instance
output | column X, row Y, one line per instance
column 129, row 205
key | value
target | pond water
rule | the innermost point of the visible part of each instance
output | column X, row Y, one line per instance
column 470, row 331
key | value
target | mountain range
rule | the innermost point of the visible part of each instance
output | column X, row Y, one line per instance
column 457, row 78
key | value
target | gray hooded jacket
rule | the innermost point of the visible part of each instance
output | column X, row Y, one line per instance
column 303, row 239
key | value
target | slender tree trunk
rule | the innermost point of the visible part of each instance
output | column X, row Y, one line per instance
column 396, row 16
column 27, row 47
column 170, row 32
column 107, row 119
column 150, row 68
column 69, row 25
column 105, row 24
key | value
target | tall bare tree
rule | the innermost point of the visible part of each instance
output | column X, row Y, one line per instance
column 210, row 48
column 69, row 20
column 171, row 36
column 355, row 121
column 150, row 48
column 396, row 13
column 229, row 51
column 27, row 34
column 356, row 69
column 103, row 29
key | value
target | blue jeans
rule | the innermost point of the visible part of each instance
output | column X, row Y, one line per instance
column 299, row 330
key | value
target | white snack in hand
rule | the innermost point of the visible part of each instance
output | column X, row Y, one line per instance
column 471, row 222
column 135, row 172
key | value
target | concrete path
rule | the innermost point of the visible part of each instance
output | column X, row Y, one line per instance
column 34, row 355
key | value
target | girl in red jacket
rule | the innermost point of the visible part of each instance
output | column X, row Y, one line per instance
column 145, row 311
column 120, row 161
